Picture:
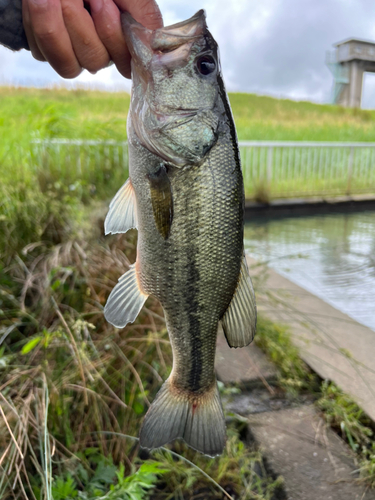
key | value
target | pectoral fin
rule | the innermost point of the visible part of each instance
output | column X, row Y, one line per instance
column 239, row 320
column 125, row 300
column 162, row 200
column 122, row 214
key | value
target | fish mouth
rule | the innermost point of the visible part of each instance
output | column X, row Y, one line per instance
column 171, row 43
column 172, row 128
column 171, row 37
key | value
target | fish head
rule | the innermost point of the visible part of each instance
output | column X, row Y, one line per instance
column 175, row 111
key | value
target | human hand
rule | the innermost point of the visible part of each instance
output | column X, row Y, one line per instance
column 63, row 32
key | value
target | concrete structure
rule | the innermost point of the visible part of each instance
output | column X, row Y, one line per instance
column 248, row 366
column 348, row 62
column 334, row 345
column 294, row 440
column 314, row 462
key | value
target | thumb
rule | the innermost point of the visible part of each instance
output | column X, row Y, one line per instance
column 146, row 12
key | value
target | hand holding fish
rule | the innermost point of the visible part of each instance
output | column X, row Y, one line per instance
column 64, row 33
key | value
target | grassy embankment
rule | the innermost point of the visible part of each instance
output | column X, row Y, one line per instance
column 30, row 114
column 66, row 375
column 266, row 118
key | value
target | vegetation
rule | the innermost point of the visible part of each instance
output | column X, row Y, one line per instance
column 31, row 113
column 267, row 118
column 73, row 389
column 294, row 375
column 349, row 420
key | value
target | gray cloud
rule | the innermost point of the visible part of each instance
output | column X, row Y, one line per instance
column 21, row 69
column 284, row 53
column 274, row 47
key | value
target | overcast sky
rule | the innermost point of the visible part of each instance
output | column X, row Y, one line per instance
column 273, row 47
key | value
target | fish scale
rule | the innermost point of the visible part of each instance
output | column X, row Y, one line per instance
column 185, row 196
column 215, row 214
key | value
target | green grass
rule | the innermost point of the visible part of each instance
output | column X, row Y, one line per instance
column 60, row 361
column 294, row 375
column 28, row 114
column 74, row 388
column 33, row 113
column 266, row 118
column 350, row 421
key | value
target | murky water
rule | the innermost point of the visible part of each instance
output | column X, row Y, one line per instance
column 332, row 256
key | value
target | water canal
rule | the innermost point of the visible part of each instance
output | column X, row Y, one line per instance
column 332, row 256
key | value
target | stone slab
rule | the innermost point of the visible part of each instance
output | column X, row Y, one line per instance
column 315, row 463
column 256, row 400
column 333, row 344
column 247, row 365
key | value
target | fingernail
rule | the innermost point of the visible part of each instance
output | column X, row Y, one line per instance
column 96, row 5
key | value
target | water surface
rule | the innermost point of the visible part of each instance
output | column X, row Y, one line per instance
column 332, row 256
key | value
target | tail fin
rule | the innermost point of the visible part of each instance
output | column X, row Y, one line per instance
column 198, row 419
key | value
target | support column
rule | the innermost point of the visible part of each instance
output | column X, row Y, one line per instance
column 355, row 85
column 343, row 91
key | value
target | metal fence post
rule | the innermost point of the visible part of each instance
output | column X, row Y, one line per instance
column 269, row 167
column 350, row 170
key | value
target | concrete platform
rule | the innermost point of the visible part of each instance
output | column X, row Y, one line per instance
column 333, row 344
column 315, row 463
column 245, row 366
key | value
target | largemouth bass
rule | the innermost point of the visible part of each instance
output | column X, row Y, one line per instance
column 185, row 196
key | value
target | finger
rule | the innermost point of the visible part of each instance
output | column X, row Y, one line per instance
column 106, row 17
column 108, row 24
column 29, row 33
column 88, row 48
column 51, row 36
column 146, row 12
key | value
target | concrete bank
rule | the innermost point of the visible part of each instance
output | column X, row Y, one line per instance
column 330, row 342
column 309, row 206
column 295, row 442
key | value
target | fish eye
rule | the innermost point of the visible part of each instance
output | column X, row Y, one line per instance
column 206, row 65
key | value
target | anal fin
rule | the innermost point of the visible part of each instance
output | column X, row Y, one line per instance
column 125, row 301
column 239, row 320
column 122, row 214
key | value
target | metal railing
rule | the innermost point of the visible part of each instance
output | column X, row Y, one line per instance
column 271, row 169
column 284, row 168
column 85, row 165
